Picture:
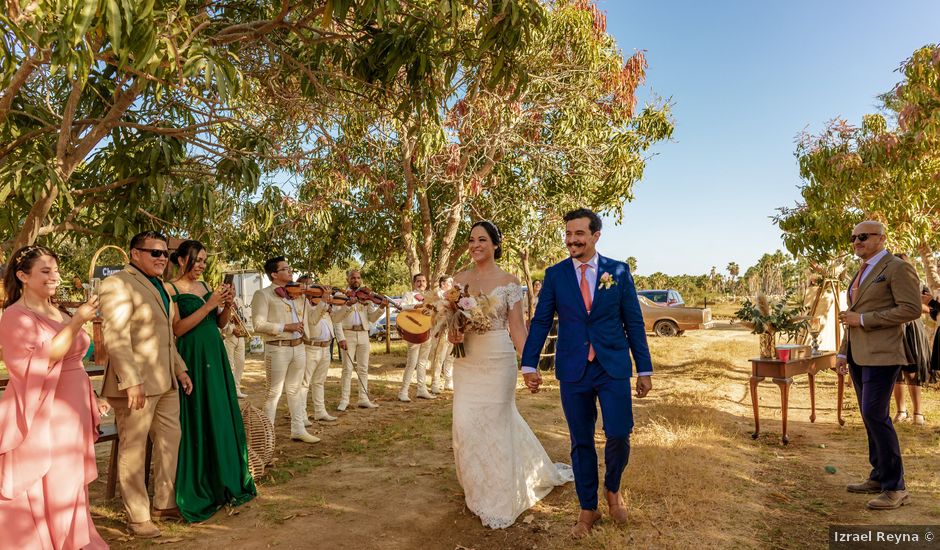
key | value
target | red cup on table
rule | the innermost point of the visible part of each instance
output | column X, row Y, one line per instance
column 783, row 354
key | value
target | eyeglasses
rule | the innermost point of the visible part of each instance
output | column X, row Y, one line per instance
column 288, row 268
column 156, row 252
column 862, row 237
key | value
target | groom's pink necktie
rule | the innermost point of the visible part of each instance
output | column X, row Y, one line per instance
column 586, row 295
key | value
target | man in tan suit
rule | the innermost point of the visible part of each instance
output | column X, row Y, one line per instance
column 352, row 323
column 141, row 379
column 883, row 295
column 280, row 320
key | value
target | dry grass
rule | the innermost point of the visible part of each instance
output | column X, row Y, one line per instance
column 385, row 478
column 724, row 310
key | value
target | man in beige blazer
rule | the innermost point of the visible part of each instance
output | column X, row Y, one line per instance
column 883, row 295
column 141, row 379
column 280, row 321
column 351, row 324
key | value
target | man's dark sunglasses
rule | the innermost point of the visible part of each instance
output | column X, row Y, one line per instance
column 156, row 252
column 862, row 237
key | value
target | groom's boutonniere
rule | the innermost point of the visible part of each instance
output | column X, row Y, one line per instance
column 607, row 281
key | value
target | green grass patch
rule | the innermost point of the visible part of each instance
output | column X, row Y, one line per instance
column 288, row 469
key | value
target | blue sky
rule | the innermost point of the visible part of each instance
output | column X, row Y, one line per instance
column 745, row 77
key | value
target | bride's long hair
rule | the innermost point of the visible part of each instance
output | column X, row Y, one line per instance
column 494, row 234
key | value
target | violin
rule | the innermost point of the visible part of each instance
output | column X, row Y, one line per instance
column 318, row 293
column 365, row 295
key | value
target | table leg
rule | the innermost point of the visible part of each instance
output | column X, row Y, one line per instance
column 812, row 396
column 784, row 384
column 754, row 381
column 841, row 397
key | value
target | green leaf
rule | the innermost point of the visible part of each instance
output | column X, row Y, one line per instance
column 145, row 10
column 129, row 15
column 114, row 23
column 83, row 20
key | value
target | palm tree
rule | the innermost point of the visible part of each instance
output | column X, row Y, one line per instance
column 733, row 270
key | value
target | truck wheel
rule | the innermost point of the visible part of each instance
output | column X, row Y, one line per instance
column 666, row 329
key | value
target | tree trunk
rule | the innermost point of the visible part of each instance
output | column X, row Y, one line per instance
column 36, row 218
column 69, row 158
column 930, row 266
column 449, row 235
column 426, row 250
column 407, row 226
column 451, row 266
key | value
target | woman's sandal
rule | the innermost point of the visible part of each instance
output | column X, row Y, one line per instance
column 901, row 417
column 919, row 419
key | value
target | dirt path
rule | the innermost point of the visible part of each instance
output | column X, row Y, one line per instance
column 384, row 478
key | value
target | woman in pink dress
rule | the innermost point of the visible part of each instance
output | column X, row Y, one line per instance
column 49, row 413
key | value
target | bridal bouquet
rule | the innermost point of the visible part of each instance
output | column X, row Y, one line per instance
column 461, row 312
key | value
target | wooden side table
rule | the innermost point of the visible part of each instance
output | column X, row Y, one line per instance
column 782, row 373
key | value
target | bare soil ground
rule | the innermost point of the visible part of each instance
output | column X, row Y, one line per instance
column 384, row 478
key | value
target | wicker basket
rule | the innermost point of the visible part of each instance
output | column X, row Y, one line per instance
column 260, row 436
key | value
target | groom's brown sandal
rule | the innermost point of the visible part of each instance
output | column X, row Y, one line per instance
column 585, row 523
column 616, row 506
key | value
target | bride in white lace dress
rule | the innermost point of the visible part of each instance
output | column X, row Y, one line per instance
column 501, row 465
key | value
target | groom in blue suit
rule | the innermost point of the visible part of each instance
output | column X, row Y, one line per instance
column 599, row 320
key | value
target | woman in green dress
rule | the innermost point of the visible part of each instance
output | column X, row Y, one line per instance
column 213, row 458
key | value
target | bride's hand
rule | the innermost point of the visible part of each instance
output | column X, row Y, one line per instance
column 455, row 337
column 532, row 381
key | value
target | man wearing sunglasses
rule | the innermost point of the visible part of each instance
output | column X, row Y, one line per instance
column 141, row 379
column 883, row 295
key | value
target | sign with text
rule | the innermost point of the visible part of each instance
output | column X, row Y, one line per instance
column 103, row 271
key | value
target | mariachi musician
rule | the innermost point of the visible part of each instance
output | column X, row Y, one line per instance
column 318, row 335
column 442, row 361
column 418, row 353
column 278, row 317
column 233, row 338
column 351, row 325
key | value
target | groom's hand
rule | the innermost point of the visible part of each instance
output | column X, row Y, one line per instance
column 643, row 385
column 532, row 381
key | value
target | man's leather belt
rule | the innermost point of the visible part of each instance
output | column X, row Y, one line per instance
column 356, row 328
column 291, row 343
column 318, row 343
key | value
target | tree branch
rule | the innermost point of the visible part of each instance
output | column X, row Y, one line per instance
column 122, row 101
column 107, row 187
column 68, row 116
column 19, row 78
column 67, row 226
